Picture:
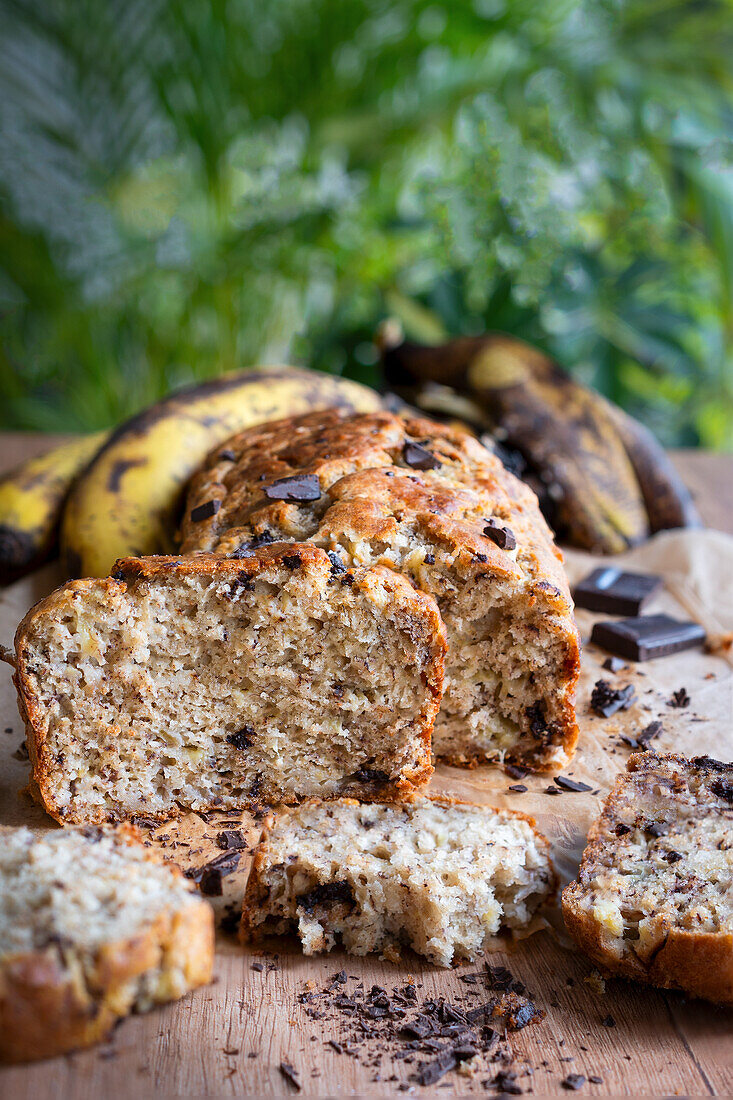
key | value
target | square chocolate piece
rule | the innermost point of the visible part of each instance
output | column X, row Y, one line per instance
column 608, row 589
column 647, row 637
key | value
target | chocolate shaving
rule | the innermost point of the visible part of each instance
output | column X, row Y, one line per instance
column 290, row 1075
column 680, row 699
column 566, row 784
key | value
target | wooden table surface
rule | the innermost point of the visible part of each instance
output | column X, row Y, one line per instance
column 229, row 1039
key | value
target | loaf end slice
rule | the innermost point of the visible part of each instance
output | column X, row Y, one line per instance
column 92, row 928
column 439, row 876
column 654, row 895
column 430, row 502
column 201, row 683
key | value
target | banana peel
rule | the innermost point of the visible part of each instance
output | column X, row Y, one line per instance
column 603, row 480
column 31, row 501
column 127, row 500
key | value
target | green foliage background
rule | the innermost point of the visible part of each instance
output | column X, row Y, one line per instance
column 192, row 186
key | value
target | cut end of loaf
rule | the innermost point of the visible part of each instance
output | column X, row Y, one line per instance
column 201, row 683
column 431, row 503
column 654, row 895
column 437, row 876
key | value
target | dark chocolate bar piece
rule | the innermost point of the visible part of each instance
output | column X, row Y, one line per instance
column 608, row 589
column 647, row 637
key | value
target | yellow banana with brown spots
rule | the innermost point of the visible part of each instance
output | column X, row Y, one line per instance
column 126, row 502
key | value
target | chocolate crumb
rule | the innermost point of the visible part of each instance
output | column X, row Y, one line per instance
column 290, row 1075
column 680, row 699
column 606, row 700
column 205, row 511
column 573, row 1082
column 242, row 739
column 517, row 788
column 614, row 664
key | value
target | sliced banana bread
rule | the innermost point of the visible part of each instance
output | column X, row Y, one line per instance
column 92, row 928
column 430, row 502
column 439, row 876
column 654, row 896
column 204, row 683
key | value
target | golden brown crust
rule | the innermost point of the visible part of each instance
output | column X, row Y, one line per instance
column 369, row 493
column 408, row 604
column 50, row 1004
column 698, row 962
column 255, row 893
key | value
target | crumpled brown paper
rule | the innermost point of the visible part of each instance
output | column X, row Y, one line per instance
column 697, row 569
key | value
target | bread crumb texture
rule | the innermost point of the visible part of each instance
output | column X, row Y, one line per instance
column 440, row 877
column 430, row 502
column 654, row 896
column 92, row 927
column 204, row 683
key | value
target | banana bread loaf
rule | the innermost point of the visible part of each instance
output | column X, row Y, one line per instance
column 203, row 683
column 92, row 928
column 654, row 896
column 440, row 876
column 430, row 502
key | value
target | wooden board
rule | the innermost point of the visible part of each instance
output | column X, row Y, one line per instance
column 229, row 1039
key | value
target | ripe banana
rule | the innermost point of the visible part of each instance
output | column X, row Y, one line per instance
column 603, row 480
column 127, row 500
column 31, row 500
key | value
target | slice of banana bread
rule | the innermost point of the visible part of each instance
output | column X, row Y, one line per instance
column 654, row 896
column 432, row 503
column 204, row 683
column 92, row 928
column 437, row 875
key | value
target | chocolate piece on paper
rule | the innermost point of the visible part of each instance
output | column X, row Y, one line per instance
column 647, row 637
column 608, row 589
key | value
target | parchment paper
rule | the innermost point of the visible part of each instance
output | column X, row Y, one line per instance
column 697, row 568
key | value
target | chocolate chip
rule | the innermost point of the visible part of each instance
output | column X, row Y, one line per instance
column 504, row 537
column 347, row 579
column 537, row 721
column 609, row 589
column 608, row 1021
column 419, row 457
column 621, row 829
column 518, row 788
column 337, row 566
column 300, row 487
column 429, row 559
column 654, row 829
column 723, row 788
column 606, row 700
column 566, row 784
column 369, row 775
column 614, row 664
column 227, row 456
column 647, row 637
column 242, row 739
column 328, row 893
column 205, row 511
column 263, row 539
column 671, row 856
column 291, row 561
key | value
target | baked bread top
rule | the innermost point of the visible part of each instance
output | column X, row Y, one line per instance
column 377, row 473
column 654, row 896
